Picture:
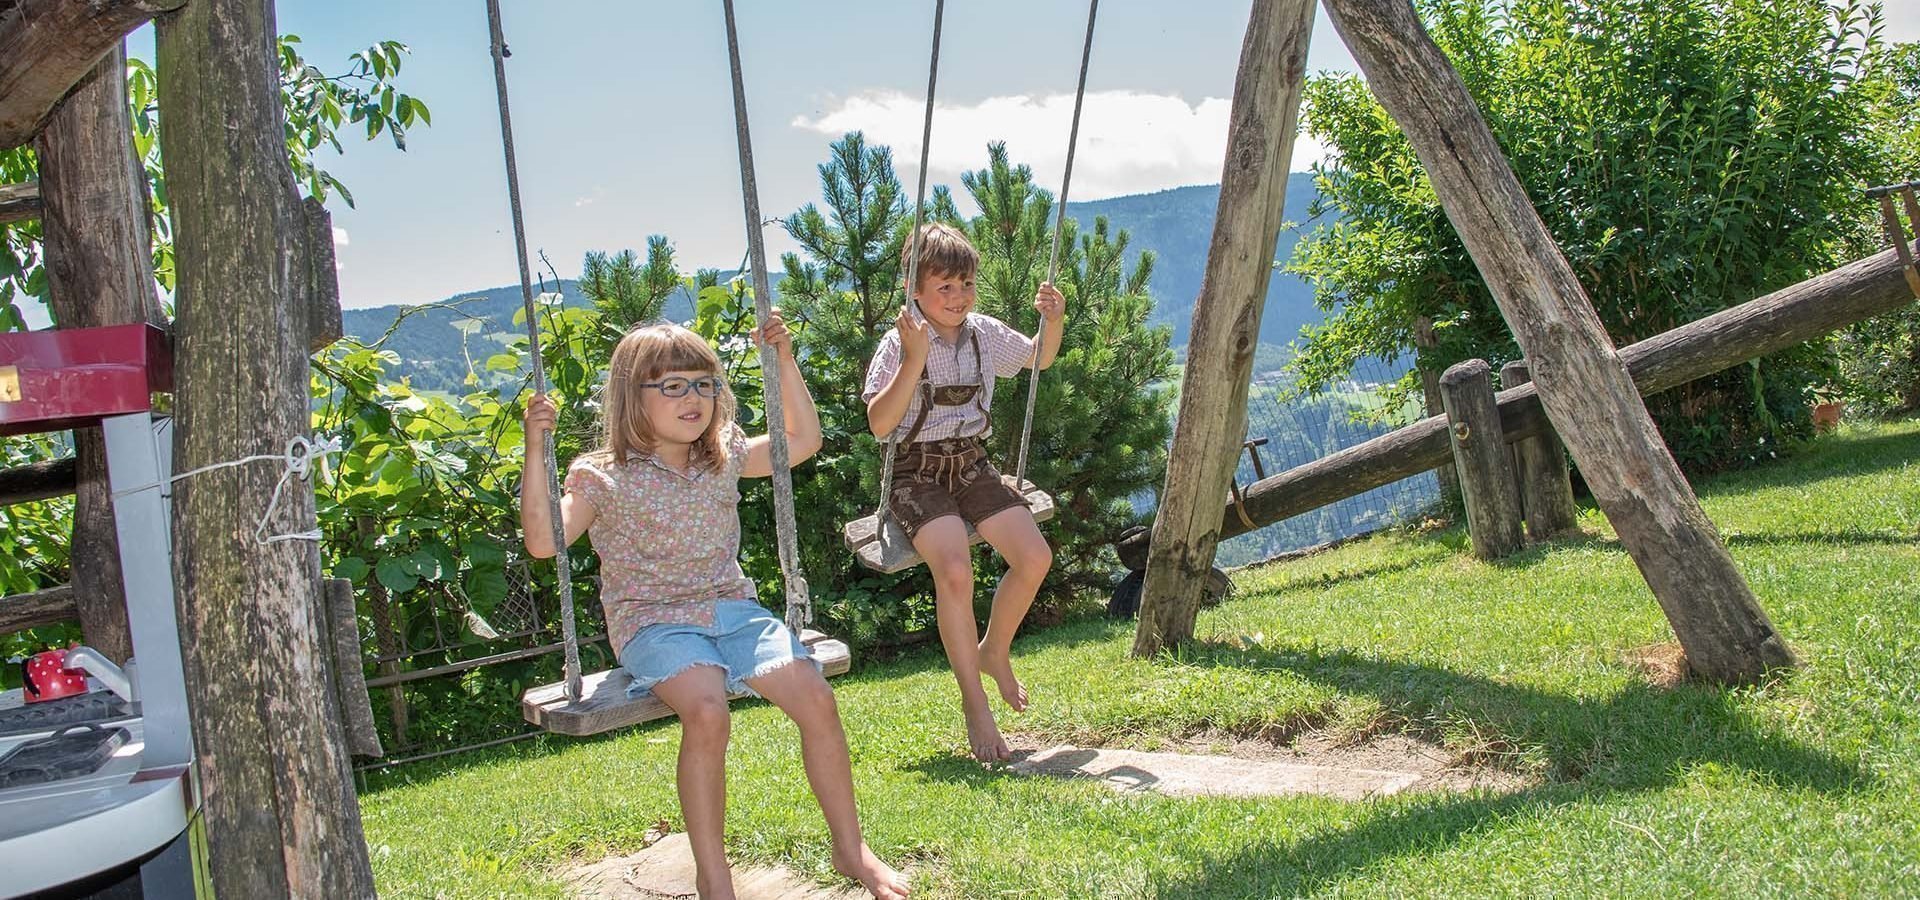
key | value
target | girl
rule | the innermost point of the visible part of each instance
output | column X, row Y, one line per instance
column 661, row 500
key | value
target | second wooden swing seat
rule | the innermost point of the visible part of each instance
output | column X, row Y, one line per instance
column 881, row 545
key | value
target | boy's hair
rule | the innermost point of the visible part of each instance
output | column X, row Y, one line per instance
column 945, row 252
column 644, row 354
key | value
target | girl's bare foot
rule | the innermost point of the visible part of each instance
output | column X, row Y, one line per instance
column 1000, row 667
column 983, row 735
column 877, row 877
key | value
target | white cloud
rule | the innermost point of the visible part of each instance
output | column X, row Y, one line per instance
column 1130, row 142
column 340, row 236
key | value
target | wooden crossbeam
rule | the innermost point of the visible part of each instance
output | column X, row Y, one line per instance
column 46, row 46
column 19, row 202
column 38, row 481
column 22, row 611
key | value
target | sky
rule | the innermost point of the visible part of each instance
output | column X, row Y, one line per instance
column 623, row 119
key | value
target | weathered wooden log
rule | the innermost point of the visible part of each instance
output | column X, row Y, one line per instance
column 1480, row 456
column 99, row 272
column 19, row 202
column 38, row 481
column 32, row 610
column 282, row 819
column 47, row 46
column 1585, row 386
column 1540, row 466
column 1785, row 318
column 1226, row 320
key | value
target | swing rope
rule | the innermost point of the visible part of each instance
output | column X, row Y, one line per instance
column 919, row 212
column 799, row 603
column 1059, row 228
column 561, row 564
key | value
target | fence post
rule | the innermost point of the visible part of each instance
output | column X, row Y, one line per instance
column 1480, row 455
column 1546, row 488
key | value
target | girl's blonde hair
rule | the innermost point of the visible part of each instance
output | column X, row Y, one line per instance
column 644, row 354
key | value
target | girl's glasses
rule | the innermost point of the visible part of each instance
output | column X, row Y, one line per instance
column 678, row 387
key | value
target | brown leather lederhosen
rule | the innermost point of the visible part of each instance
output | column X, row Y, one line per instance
column 949, row 476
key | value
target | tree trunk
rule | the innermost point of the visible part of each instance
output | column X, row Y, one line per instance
column 46, row 46
column 1430, row 394
column 99, row 272
column 386, row 638
column 282, row 818
column 1226, row 320
column 1584, row 385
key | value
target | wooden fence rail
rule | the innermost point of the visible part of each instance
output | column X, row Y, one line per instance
column 1785, row 318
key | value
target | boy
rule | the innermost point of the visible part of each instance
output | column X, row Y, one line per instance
column 930, row 384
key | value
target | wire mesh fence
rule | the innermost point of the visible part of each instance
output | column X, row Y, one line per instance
column 1300, row 429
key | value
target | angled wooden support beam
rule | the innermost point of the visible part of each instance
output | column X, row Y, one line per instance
column 1584, row 383
column 19, row 202
column 1226, row 320
column 47, row 46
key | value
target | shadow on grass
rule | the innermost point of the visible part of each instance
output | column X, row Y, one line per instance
column 1837, row 537
column 1638, row 739
column 1828, row 457
column 1277, row 579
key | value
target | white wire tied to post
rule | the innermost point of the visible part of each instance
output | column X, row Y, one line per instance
column 799, row 601
column 298, row 457
column 913, row 252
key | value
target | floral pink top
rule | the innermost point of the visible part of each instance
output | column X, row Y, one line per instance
column 669, row 541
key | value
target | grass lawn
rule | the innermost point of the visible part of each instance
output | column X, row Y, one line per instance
column 1802, row 786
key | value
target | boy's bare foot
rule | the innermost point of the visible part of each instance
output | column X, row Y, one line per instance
column 877, row 877
column 1000, row 667
column 983, row 735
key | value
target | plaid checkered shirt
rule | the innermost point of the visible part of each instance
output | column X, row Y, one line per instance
column 1002, row 349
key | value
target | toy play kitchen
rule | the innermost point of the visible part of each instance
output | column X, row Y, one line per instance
column 96, row 785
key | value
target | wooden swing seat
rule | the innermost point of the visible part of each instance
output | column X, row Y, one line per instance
column 882, row 546
column 604, row 704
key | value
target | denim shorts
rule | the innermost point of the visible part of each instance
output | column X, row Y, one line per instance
column 745, row 641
